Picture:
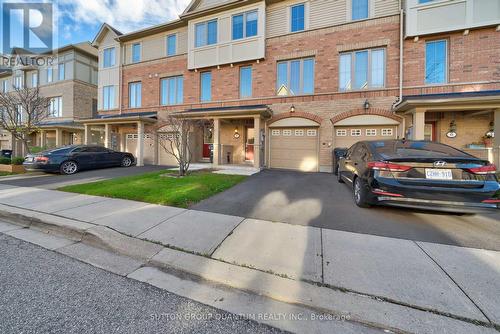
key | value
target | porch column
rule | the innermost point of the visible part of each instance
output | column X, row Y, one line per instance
column 107, row 135
column 256, row 144
column 43, row 138
column 216, row 141
column 419, row 124
column 496, row 121
column 140, row 144
column 86, row 135
column 59, row 137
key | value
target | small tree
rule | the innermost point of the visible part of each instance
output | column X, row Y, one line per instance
column 22, row 110
column 176, row 140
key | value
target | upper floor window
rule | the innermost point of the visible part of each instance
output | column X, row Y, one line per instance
column 34, row 80
column 136, row 52
column 297, row 18
column 55, row 107
column 425, row 1
column 108, row 97
column 362, row 69
column 61, row 71
column 296, row 77
column 206, row 86
column 5, row 86
column 109, row 57
column 19, row 114
column 245, row 25
column 18, row 82
column 135, row 94
column 172, row 90
column 246, row 81
column 359, row 9
column 436, row 62
column 206, row 33
column 49, row 74
column 171, row 45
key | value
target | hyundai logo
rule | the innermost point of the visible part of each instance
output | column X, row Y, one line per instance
column 439, row 163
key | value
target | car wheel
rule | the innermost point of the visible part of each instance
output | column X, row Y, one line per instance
column 339, row 176
column 360, row 193
column 69, row 167
column 126, row 162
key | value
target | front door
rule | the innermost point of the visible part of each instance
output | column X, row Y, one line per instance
column 208, row 141
column 430, row 131
column 249, row 142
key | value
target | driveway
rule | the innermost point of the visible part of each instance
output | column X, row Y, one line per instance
column 54, row 181
column 316, row 199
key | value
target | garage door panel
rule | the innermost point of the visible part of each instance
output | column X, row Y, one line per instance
column 384, row 132
column 295, row 150
column 131, row 147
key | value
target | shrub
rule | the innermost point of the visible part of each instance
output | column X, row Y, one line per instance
column 37, row 149
column 4, row 161
column 17, row 160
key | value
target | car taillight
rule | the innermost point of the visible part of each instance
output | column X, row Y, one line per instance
column 387, row 166
column 488, row 169
column 492, row 201
column 42, row 160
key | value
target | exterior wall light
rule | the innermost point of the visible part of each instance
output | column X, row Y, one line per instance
column 292, row 109
column 366, row 105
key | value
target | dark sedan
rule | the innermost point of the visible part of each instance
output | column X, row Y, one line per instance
column 71, row 159
column 419, row 174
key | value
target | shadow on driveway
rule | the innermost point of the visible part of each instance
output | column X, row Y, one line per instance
column 317, row 199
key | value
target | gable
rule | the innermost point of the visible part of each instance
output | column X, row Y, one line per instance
column 106, row 35
column 196, row 5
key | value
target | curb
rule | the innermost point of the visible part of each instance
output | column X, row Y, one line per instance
column 362, row 309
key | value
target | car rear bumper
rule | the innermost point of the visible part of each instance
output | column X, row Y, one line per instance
column 437, row 205
column 32, row 167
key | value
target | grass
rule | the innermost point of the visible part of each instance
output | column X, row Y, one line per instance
column 6, row 174
column 154, row 188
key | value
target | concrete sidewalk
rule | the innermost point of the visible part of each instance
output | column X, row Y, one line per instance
column 459, row 285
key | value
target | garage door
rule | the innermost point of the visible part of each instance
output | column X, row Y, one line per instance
column 131, row 147
column 346, row 136
column 165, row 158
column 294, row 148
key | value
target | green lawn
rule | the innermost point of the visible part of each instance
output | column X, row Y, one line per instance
column 6, row 174
column 154, row 188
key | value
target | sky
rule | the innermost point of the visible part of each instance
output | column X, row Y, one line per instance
column 80, row 20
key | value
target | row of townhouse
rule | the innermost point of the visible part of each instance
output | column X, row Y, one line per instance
column 70, row 81
column 280, row 84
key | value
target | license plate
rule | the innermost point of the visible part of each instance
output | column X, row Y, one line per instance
column 438, row 174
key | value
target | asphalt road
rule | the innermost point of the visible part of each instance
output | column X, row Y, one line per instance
column 46, row 292
column 54, row 181
column 317, row 199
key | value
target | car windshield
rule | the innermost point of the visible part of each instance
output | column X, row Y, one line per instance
column 415, row 149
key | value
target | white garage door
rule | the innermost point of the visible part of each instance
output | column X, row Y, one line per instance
column 294, row 148
column 131, row 147
column 346, row 136
column 165, row 158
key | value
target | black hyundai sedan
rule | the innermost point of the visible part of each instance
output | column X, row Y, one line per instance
column 73, row 158
column 419, row 174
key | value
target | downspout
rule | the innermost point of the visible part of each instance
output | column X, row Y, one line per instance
column 120, row 83
column 401, row 43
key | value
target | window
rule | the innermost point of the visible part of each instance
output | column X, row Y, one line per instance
column 245, row 81
column 55, row 107
column 60, row 69
column 287, row 133
column 171, row 45
column 356, row 132
column 206, row 86
column 359, row 9
column 299, row 133
column 34, row 80
column 19, row 114
column 435, row 62
column 275, row 132
column 362, row 69
column 18, row 82
column 245, row 25
column 108, row 96
column 341, row 133
column 172, row 90
column 296, row 77
column 136, row 52
column 206, row 33
column 297, row 18
column 135, row 94
column 386, row 132
column 312, row 132
column 49, row 74
column 5, row 86
column 371, row 132
column 109, row 57
column 424, row 1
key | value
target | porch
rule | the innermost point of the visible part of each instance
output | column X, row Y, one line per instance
column 53, row 135
column 467, row 121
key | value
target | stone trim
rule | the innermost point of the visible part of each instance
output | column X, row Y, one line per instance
column 363, row 45
column 295, row 55
column 372, row 111
column 299, row 114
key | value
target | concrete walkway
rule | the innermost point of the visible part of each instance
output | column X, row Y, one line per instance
column 455, row 282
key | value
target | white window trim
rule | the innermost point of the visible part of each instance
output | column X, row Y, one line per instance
column 371, row 11
column 113, row 62
column 176, row 44
column 312, row 133
column 369, row 131
column 447, row 69
column 354, row 131
column 287, row 133
column 206, row 41
column 341, row 133
column 275, row 132
column 245, row 25
column 132, row 53
column 289, row 16
column 299, row 133
column 388, row 132
column 369, row 74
